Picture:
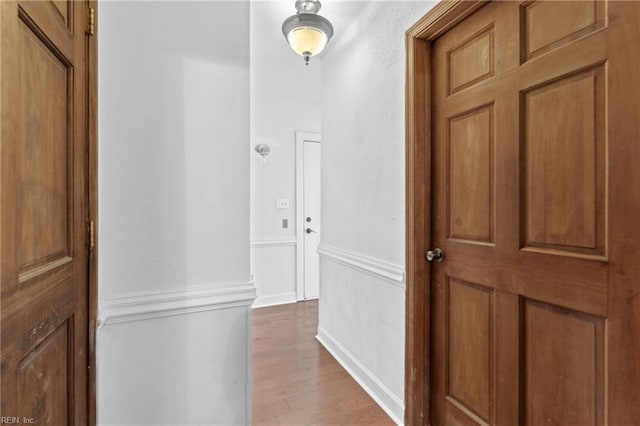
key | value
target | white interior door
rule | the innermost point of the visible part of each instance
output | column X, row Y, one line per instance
column 311, row 216
column 308, row 166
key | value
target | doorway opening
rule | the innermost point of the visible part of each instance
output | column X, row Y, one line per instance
column 308, row 163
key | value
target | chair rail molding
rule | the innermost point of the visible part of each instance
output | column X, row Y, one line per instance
column 157, row 304
column 386, row 271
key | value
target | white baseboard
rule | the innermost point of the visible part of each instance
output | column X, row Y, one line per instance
column 164, row 303
column 387, row 400
column 276, row 299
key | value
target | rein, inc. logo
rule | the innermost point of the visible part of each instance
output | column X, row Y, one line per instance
column 6, row 420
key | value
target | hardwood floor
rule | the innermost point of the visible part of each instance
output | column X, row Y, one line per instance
column 296, row 381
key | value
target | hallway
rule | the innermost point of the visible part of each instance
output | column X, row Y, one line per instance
column 296, row 381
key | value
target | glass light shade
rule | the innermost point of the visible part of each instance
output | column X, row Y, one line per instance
column 307, row 33
column 307, row 40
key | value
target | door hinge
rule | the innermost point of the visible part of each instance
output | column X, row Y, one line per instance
column 91, row 21
column 91, row 231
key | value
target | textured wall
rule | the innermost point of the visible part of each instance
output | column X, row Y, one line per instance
column 363, row 188
column 175, row 370
column 174, row 209
column 174, row 126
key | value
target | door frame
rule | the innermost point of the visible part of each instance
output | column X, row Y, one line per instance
column 301, row 137
column 419, row 38
column 92, row 165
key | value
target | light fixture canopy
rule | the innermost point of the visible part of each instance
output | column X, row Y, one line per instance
column 307, row 32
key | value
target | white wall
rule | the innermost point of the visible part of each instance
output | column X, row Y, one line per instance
column 174, row 213
column 285, row 97
column 362, row 293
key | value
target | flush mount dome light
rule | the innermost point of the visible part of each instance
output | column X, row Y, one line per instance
column 307, row 32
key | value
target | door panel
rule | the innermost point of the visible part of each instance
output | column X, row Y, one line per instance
column 564, row 164
column 521, row 184
column 470, row 340
column 43, row 378
column 43, row 154
column 44, row 194
column 471, row 61
column 471, row 175
column 547, row 25
column 563, row 367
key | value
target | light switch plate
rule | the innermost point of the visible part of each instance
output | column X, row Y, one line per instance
column 282, row 203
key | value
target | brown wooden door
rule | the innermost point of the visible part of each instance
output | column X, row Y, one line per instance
column 535, row 135
column 44, row 211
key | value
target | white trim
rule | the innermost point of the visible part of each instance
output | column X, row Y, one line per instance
column 164, row 303
column 275, row 299
column 249, row 390
column 387, row 400
column 376, row 267
column 274, row 243
column 300, row 138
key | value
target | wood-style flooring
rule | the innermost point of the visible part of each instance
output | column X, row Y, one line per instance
column 296, row 381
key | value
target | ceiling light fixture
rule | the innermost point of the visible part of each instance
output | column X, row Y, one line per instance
column 307, row 32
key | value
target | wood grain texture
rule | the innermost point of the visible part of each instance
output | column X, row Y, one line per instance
column 565, row 164
column 44, row 198
column 296, row 381
column 470, row 166
column 43, row 157
column 418, row 162
column 418, row 182
column 471, row 61
column 441, row 17
column 63, row 9
column 566, row 365
column 560, row 119
column 92, row 187
column 43, row 379
column 469, row 346
column 623, row 322
column 466, row 191
column 547, row 25
column 563, row 269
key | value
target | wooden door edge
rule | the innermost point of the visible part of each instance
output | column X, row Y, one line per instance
column 417, row 233
column 92, row 81
column 418, row 199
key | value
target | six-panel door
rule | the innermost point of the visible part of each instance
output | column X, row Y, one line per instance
column 522, row 177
